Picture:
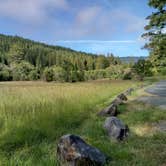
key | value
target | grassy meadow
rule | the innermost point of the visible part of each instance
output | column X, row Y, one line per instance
column 34, row 115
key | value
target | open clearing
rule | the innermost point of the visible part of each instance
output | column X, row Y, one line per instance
column 34, row 115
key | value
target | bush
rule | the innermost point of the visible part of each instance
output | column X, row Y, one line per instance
column 34, row 75
column 59, row 74
column 5, row 73
column 162, row 71
column 22, row 71
column 127, row 75
column 142, row 68
column 48, row 74
column 54, row 73
column 115, row 72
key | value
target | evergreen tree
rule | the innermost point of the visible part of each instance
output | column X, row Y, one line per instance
column 40, row 59
column 16, row 53
column 156, row 33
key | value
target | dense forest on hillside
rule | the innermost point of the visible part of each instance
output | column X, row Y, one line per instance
column 23, row 59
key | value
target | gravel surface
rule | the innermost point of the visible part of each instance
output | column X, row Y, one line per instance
column 158, row 97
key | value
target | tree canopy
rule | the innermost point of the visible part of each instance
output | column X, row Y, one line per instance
column 156, row 34
column 23, row 59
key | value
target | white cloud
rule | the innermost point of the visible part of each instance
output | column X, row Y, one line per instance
column 64, row 19
column 97, row 21
column 87, row 15
column 132, row 22
column 30, row 11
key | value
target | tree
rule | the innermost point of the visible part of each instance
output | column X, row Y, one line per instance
column 48, row 74
column 156, row 33
column 5, row 73
column 142, row 68
column 45, row 59
column 54, row 73
column 22, row 71
column 16, row 53
column 102, row 62
column 114, row 60
column 59, row 74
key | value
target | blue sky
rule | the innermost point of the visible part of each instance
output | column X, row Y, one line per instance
column 95, row 26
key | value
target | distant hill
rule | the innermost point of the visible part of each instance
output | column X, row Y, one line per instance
column 131, row 59
column 14, row 48
column 24, row 59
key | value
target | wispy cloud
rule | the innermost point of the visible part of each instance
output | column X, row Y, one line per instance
column 73, row 19
column 30, row 11
column 97, row 21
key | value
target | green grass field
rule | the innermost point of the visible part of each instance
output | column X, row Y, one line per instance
column 34, row 115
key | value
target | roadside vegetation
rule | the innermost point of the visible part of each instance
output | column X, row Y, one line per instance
column 33, row 116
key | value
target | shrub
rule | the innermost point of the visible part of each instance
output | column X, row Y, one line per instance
column 48, row 74
column 54, row 73
column 162, row 71
column 127, row 75
column 5, row 73
column 142, row 68
column 22, row 71
column 34, row 75
column 59, row 74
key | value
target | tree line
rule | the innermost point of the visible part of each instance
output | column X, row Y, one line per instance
column 23, row 59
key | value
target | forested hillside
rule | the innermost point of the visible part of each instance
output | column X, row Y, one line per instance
column 23, row 59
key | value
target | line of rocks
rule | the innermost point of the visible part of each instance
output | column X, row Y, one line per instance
column 115, row 127
column 74, row 151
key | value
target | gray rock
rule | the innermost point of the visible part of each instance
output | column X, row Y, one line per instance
column 76, row 152
column 117, row 101
column 122, row 97
column 161, row 126
column 111, row 110
column 129, row 91
column 116, row 128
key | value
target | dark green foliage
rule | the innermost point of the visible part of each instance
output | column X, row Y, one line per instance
column 142, row 68
column 156, row 34
column 128, row 75
column 54, row 73
column 48, row 74
column 29, row 60
column 34, row 75
column 5, row 73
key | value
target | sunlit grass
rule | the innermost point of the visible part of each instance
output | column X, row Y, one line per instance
column 34, row 115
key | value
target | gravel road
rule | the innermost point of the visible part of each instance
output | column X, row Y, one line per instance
column 158, row 97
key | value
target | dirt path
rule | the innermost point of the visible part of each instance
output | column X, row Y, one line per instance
column 157, row 95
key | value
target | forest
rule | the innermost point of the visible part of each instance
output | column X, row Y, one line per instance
column 23, row 59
